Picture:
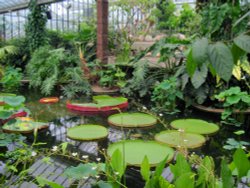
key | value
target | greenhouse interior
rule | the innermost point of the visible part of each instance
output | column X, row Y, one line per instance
column 125, row 93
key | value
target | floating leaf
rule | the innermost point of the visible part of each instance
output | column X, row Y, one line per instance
column 177, row 139
column 132, row 120
column 87, row 132
column 134, row 151
column 195, row 126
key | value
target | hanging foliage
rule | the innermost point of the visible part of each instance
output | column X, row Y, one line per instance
column 36, row 26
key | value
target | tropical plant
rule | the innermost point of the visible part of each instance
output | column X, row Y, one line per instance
column 11, row 79
column 166, row 15
column 219, row 19
column 165, row 95
column 11, row 105
column 202, row 176
column 233, row 99
column 76, row 83
column 210, row 65
column 142, row 81
column 7, row 50
column 36, row 25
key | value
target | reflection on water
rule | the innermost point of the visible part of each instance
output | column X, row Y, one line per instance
column 60, row 118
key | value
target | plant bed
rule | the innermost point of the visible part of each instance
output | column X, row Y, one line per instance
column 217, row 110
column 136, row 150
column 132, row 120
column 177, row 139
column 87, row 133
column 102, row 103
column 104, row 90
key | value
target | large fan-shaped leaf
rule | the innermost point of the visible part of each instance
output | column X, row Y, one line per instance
column 243, row 41
column 221, row 59
column 199, row 51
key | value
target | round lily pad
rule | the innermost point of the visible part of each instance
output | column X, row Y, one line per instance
column 20, row 126
column 87, row 132
column 136, row 150
column 195, row 126
column 132, row 120
column 101, row 103
column 180, row 139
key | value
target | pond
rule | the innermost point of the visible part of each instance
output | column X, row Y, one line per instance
column 60, row 119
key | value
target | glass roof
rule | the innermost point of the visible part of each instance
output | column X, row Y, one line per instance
column 10, row 5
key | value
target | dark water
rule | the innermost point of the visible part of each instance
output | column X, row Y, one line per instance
column 60, row 118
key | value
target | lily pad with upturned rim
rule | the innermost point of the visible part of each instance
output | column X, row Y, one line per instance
column 136, row 150
column 101, row 103
column 20, row 126
column 195, row 126
column 178, row 139
column 132, row 120
column 87, row 132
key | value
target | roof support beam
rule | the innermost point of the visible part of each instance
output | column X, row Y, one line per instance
column 102, row 30
column 25, row 5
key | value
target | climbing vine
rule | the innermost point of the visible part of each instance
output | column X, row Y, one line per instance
column 36, row 26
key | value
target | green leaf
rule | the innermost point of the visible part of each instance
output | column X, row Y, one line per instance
column 241, row 162
column 181, row 166
column 83, row 170
column 64, row 147
column 163, row 183
column 102, row 184
column 245, row 66
column 240, row 132
column 237, row 72
column 226, row 175
column 205, row 178
column 43, row 182
column 190, row 64
column 160, row 167
column 199, row 51
column 237, row 53
column 199, row 76
column 5, row 114
column 117, row 162
column 14, row 100
column 145, row 169
column 185, row 180
column 221, row 59
column 243, row 42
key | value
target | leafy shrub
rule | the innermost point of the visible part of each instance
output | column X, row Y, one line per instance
column 165, row 95
column 11, row 79
column 50, row 67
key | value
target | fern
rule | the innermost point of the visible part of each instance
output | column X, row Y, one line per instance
column 77, row 83
column 9, row 49
column 44, row 68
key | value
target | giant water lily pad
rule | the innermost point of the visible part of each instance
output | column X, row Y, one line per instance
column 132, row 120
column 101, row 103
column 180, row 139
column 136, row 150
column 4, row 95
column 195, row 126
column 87, row 132
column 20, row 126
